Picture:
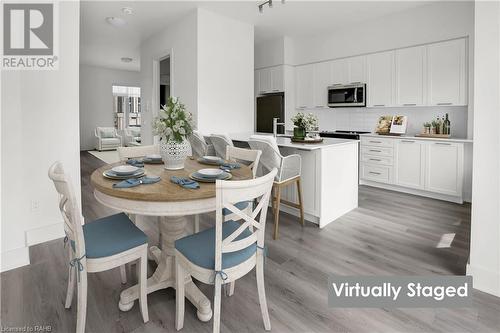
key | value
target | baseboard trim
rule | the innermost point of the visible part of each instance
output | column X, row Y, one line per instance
column 485, row 280
column 15, row 258
column 44, row 234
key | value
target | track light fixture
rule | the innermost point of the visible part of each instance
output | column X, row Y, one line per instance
column 269, row 3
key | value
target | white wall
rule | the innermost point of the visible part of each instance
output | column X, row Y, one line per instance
column 485, row 230
column 211, row 71
column 180, row 39
column 39, row 126
column 96, row 98
column 225, row 74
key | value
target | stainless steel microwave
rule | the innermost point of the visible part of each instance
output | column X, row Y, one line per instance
column 347, row 95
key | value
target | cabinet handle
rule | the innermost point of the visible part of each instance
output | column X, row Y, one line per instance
column 276, row 90
column 374, row 173
column 443, row 143
column 376, row 151
column 374, row 159
column 378, row 104
column 409, row 104
column 408, row 141
column 375, row 141
column 319, row 106
column 357, row 82
column 448, row 103
column 262, row 92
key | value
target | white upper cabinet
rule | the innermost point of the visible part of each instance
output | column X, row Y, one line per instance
column 277, row 79
column 339, row 71
column 304, row 83
column 322, row 79
column 269, row 80
column 446, row 73
column 409, row 70
column 356, row 69
column 380, row 78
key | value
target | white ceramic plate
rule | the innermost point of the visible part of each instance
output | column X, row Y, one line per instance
column 211, row 158
column 154, row 157
column 210, row 172
column 124, row 169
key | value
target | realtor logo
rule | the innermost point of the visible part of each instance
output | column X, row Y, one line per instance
column 29, row 36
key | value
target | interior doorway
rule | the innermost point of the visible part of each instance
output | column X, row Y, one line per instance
column 164, row 80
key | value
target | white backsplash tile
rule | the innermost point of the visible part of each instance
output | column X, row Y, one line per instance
column 365, row 119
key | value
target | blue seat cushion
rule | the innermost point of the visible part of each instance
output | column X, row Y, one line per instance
column 240, row 205
column 111, row 235
column 200, row 247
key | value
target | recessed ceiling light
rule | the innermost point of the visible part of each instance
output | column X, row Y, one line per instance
column 127, row 10
column 116, row 21
column 126, row 59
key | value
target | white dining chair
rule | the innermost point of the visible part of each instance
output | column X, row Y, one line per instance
column 124, row 153
column 106, row 243
column 249, row 157
column 220, row 142
column 289, row 169
column 229, row 250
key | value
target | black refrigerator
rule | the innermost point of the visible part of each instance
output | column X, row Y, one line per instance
column 269, row 107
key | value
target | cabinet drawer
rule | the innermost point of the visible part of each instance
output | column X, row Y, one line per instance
column 376, row 173
column 377, row 151
column 378, row 142
column 379, row 160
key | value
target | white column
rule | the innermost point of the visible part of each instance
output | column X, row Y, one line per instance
column 484, row 263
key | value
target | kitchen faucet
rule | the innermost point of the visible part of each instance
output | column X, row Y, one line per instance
column 275, row 126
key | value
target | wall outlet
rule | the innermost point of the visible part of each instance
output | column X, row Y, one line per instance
column 35, row 206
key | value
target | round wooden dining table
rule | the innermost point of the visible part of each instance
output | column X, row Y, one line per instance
column 171, row 203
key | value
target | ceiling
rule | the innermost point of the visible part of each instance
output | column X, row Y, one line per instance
column 102, row 44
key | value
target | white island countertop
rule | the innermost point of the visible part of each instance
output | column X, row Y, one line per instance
column 286, row 141
column 410, row 137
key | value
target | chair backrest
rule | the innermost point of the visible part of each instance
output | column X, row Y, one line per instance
column 271, row 157
column 69, row 208
column 198, row 145
column 247, row 155
column 220, row 142
column 125, row 153
column 229, row 193
column 106, row 132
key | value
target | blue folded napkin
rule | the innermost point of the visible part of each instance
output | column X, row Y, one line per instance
column 229, row 165
column 132, row 182
column 185, row 182
column 136, row 163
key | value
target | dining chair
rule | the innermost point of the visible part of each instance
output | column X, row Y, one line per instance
column 230, row 250
column 124, row 153
column 249, row 157
column 199, row 145
column 106, row 243
column 289, row 169
column 220, row 142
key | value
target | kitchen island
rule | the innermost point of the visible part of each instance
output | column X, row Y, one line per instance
column 329, row 177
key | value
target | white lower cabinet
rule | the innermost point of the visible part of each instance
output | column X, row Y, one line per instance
column 444, row 168
column 424, row 167
column 410, row 165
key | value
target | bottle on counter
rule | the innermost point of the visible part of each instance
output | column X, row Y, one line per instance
column 439, row 126
column 447, row 126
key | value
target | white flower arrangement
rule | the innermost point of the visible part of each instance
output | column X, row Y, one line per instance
column 308, row 122
column 173, row 123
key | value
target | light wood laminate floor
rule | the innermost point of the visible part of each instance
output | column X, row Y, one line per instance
column 389, row 234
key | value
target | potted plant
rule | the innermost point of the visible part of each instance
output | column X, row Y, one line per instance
column 173, row 124
column 299, row 131
column 311, row 125
column 434, row 127
column 427, row 128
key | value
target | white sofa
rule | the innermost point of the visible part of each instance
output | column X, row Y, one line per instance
column 132, row 136
column 107, row 138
